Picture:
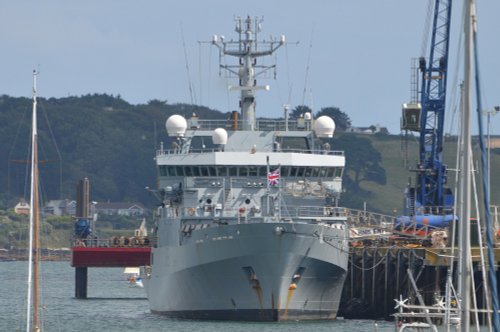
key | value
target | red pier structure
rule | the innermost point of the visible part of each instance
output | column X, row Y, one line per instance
column 83, row 257
column 90, row 251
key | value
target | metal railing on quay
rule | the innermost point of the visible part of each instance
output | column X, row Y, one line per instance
column 115, row 241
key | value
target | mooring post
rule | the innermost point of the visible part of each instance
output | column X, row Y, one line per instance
column 398, row 261
column 386, row 275
column 363, row 269
column 351, row 285
column 374, row 271
column 81, row 282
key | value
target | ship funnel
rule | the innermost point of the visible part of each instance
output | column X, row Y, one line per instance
column 219, row 136
column 176, row 125
column 324, row 126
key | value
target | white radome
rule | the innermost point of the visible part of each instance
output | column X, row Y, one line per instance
column 324, row 126
column 176, row 125
column 219, row 136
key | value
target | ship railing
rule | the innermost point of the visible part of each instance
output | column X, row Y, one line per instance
column 357, row 218
column 163, row 152
column 314, row 212
column 435, row 210
column 115, row 242
column 261, row 124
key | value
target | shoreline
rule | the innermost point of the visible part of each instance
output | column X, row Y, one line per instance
column 46, row 255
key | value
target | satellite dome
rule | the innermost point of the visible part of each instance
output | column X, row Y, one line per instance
column 307, row 116
column 219, row 136
column 176, row 125
column 324, row 126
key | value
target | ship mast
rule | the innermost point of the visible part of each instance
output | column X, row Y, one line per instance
column 465, row 182
column 34, row 239
column 247, row 49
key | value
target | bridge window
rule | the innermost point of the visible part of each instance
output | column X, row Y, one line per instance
column 201, row 143
column 221, row 171
column 252, row 171
column 338, row 171
column 330, row 172
column 315, row 172
column 294, row 143
column 308, row 172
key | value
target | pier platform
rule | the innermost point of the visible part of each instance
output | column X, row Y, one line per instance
column 110, row 256
column 123, row 252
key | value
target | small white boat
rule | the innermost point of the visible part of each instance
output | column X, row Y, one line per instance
column 133, row 277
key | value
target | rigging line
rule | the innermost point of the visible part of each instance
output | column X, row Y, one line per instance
column 27, row 173
column 454, row 95
column 55, row 145
column 485, row 184
column 190, row 85
column 199, row 72
column 209, row 74
column 227, row 90
column 12, row 149
column 287, row 65
column 426, row 31
column 481, row 253
column 307, row 66
column 280, row 97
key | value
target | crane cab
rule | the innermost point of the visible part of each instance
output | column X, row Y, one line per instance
column 410, row 119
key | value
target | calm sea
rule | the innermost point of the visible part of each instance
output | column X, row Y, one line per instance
column 114, row 306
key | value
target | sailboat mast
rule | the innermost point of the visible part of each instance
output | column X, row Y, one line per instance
column 33, row 253
column 465, row 183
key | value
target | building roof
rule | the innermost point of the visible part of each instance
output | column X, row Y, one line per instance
column 117, row 205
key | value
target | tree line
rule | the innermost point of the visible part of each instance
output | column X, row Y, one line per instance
column 112, row 142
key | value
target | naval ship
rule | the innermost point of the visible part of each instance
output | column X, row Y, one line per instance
column 249, row 227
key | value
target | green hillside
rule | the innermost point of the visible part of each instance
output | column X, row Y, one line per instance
column 388, row 197
column 113, row 143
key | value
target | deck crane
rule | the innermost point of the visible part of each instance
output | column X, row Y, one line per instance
column 429, row 201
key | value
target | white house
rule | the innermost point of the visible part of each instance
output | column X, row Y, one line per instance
column 120, row 208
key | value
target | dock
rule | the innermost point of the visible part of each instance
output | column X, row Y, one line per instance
column 378, row 275
column 101, row 253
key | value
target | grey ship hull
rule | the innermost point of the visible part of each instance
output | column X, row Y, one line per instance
column 246, row 272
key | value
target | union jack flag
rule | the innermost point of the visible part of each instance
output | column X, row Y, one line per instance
column 273, row 177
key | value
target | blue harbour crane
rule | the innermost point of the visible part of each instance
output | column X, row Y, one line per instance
column 430, row 201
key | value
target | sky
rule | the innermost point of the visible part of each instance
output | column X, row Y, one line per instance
column 355, row 55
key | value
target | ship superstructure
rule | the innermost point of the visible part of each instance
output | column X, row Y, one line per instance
column 249, row 227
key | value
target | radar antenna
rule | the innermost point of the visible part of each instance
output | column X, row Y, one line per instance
column 247, row 49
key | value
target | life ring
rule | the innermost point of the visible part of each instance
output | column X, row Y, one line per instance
column 191, row 211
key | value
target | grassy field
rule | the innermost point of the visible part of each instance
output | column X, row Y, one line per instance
column 388, row 198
